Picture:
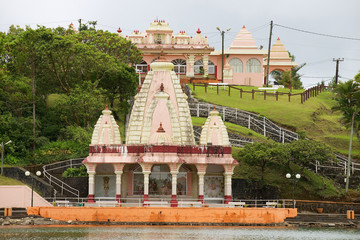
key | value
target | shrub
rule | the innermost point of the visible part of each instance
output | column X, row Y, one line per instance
column 75, row 172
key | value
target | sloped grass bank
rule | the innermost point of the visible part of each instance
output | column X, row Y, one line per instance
column 314, row 116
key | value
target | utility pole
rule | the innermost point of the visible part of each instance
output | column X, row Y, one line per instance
column 268, row 58
column 79, row 24
column 222, row 51
column 337, row 68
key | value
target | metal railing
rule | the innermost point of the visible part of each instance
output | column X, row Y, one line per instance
column 257, row 123
column 48, row 170
column 165, row 202
column 264, row 126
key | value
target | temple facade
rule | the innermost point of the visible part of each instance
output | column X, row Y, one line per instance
column 160, row 159
column 244, row 61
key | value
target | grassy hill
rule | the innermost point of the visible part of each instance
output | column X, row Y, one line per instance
column 314, row 117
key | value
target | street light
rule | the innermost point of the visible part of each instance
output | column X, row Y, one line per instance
column 294, row 179
column 2, row 156
column 222, row 52
column 27, row 173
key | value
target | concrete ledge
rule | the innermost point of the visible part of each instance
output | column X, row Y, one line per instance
column 166, row 215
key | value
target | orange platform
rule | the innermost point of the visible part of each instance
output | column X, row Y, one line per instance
column 166, row 214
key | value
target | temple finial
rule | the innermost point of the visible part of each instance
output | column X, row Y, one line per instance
column 160, row 129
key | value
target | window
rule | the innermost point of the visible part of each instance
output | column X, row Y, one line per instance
column 236, row 65
column 179, row 65
column 199, row 66
column 142, row 67
column 253, row 66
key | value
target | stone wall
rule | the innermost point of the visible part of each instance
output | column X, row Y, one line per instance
column 18, row 173
column 249, row 189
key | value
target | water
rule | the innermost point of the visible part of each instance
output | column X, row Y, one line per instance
column 169, row 233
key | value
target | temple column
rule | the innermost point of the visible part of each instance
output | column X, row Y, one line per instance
column 227, row 187
column 146, row 185
column 118, row 185
column 91, row 196
column 205, row 59
column 174, row 202
column 190, row 61
column 201, row 186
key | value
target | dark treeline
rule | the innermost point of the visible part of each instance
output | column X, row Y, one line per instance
column 54, row 84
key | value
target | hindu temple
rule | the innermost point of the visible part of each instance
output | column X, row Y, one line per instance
column 160, row 158
column 193, row 57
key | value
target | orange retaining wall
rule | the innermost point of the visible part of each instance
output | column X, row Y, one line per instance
column 166, row 215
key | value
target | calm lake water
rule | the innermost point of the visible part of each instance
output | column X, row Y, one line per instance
column 165, row 233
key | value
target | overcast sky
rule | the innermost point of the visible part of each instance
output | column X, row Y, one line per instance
column 332, row 17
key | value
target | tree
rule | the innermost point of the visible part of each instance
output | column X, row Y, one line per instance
column 289, row 78
column 347, row 96
column 120, row 85
column 81, row 105
column 262, row 154
column 303, row 152
column 24, row 59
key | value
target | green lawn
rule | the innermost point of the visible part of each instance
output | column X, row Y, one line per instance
column 9, row 181
column 314, row 116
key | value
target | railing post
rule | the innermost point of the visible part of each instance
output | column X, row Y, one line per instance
column 205, row 88
column 193, row 87
column 283, row 138
column 253, row 93
column 235, row 113
column 289, row 96
column 301, row 96
column 224, row 108
column 277, row 95
column 229, row 89
column 197, row 110
column 217, row 89
column 264, row 126
column 241, row 92
column 249, row 121
column 265, row 95
column 70, row 163
column 62, row 188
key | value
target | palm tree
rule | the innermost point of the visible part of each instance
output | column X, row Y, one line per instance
column 289, row 78
column 347, row 96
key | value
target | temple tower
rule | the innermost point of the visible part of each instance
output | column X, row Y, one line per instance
column 160, row 100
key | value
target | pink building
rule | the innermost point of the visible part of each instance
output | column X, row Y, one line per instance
column 160, row 159
column 193, row 57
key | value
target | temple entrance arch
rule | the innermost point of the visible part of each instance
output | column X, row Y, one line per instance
column 274, row 76
column 105, row 181
column 160, row 180
column 214, row 183
column 133, row 180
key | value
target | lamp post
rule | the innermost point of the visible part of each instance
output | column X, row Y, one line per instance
column 222, row 51
column 2, row 156
column 27, row 173
column 294, row 178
